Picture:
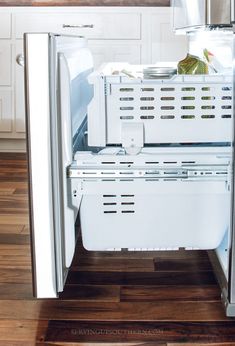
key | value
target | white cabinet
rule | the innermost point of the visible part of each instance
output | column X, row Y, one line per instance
column 166, row 46
column 5, row 25
column 111, row 25
column 5, row 63
column 5, row 111
column 123, row 34
column 115, row 51
column 6, row 101
column 19, row 90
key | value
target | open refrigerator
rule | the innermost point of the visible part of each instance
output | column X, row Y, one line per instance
column 146, row 164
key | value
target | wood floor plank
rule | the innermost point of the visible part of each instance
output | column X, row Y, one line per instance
column 150, row 293
column 104, row 344
column 191, row 265
column 13, row 276
column 204, row 344
column 10, row 229
column 14, row 249
column 6, row 191
column 119, row 265
column 13, row 156
column 18, row 239
column 21, row 191
column 88, row 293
column 13, row 184
column 147, row 311
column 16, row 291
column 138, row 278
column 22, row 331
column 104, row 331
column 26, row 229
column 16, row 220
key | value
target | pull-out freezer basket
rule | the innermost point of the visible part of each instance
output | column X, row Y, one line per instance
column 182, row 109
column 165, row 200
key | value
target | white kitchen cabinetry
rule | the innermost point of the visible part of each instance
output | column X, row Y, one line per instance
column 111, row 25
column 165, row 45
column 115, row 51
column 5, row 25
column 5, row 111
column 5, row 63
column 19, row 90
column 6, row 100
column 124, row 34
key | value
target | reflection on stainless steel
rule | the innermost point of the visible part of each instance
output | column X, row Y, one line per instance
column 197, row 13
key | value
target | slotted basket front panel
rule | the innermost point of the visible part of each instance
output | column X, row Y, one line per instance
column 161, row 220
column 173, row 111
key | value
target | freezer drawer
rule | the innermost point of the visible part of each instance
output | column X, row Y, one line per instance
column 167, row 216
column 183, row 109
column 162, row 199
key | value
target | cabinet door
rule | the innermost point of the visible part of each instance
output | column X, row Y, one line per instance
column 5, row 25
column 96, row 25
column 111, row 51
column 5, row 111
column 19, row 90
column 166, row 46
column 5, row 63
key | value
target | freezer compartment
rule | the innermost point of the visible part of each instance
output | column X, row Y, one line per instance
column 157, row 200
column 181, row 109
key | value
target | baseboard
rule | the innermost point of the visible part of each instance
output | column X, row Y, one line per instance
column 13, row 145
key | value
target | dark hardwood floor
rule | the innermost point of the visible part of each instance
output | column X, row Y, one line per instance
column 132, row 299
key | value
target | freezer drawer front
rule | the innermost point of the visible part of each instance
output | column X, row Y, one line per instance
column 154, row 214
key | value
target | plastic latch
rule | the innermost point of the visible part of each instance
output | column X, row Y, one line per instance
column 132, row 137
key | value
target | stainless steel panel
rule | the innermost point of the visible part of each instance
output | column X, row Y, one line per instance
column 218, row 12
column 188, row 13
column 232, row 11
column 197, row 13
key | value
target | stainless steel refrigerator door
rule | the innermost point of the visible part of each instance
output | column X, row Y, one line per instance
column 49, row 138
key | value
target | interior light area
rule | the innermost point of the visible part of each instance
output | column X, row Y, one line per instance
column 219, row 43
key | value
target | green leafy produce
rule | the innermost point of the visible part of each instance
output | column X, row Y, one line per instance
column 192, row 65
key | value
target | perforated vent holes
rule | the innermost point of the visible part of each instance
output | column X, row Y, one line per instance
column 173, row 111
column 168, row 103
column 118, row 204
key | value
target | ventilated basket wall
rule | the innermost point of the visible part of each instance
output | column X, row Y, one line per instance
column 185, row 109
column 162, row 209
column 193, row 215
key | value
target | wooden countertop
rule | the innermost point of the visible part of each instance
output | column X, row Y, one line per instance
column 85, row 3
